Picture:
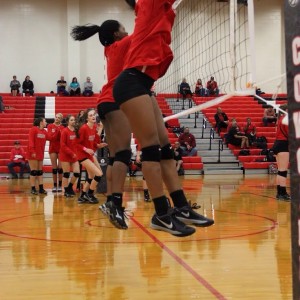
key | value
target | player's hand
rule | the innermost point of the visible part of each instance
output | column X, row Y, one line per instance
column 102, row 145
column 89, row 151
column 138, row 159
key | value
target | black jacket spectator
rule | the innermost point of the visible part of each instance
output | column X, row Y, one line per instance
column 184, row 88
column 221, row 119
column 28, row 86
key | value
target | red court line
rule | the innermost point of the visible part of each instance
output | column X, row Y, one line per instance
column 199, row 278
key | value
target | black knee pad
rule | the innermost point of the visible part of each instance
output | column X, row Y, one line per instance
column 54, row 171
column 89, row 180
column 76, row 175
column 33, row 173
column 123, row 156
column 60, row 171
column 282, row 173
column 151, row 153
column 97, row 178
column 39, row 173
column 67, row 175
column 111, row 161
column 167, row 152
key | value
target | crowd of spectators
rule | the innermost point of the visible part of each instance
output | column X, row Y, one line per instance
column 211, row 88
column 62, row 87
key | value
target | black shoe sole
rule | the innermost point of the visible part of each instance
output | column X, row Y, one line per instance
column 179, row 234
column 190, row 222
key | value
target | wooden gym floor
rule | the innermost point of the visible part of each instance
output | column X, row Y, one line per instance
column 53, row 248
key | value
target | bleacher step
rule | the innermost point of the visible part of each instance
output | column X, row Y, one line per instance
column 214, row 159
column 216, row 171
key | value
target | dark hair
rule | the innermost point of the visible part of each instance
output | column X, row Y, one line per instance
column 74, row 79
column 131, row 3
column 105, row 31
column 68, row 117
column 283, row 107
column 81, row 121
column 37, row 121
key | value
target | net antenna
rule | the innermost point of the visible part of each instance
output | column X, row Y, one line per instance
column 176, row 4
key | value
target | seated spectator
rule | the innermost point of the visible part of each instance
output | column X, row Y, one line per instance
column 14, row 86
column 61, row 87
column 187, row 143
column 27, row 86
column 184, row 89
column 269, row 116
column 88, row 88
column 221, row 120
column 178, row 158
column 250, row 131
column 259, row 92
column 212, row 87
column 236, row 137
column 199, row 89
column 79, row 116
column 17, row 158
column 2, row 107
column 75, row 87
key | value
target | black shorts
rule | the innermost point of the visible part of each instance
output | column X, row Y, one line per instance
column 280, row 146
column 81, row 160
column 132, row 83
column 105, row 108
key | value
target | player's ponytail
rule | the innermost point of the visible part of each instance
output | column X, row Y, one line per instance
column 131, row 3
column 81, row 33
column 106, row 32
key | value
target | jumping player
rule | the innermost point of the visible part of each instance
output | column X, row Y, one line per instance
column 116, row 42
column 148, row 59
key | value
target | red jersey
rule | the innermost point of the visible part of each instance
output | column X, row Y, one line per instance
column 282, row 132
column 151, row 38
column 67, row 146
column 114, row 54
column 17, row 155
column 36, row 143
column 54, row 132
column 87, row 139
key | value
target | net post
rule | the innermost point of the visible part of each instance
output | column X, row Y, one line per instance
column 232, row 22
column 251, row 28
column 292, row 46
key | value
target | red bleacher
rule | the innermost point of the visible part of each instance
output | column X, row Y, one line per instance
column 189, row 163
column 241, row 108
column 18, row 118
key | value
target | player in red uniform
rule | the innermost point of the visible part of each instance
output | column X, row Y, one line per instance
column 116, row 41
column 281, row 150
column 86, row 143
column 54, row 131
column 148, row 59
column 68, row 156
column 35, row 154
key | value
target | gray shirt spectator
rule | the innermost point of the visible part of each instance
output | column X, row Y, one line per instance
column 14, row 86
column 88, row 88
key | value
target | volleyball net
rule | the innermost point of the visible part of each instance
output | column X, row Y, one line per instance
column 209, row 38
